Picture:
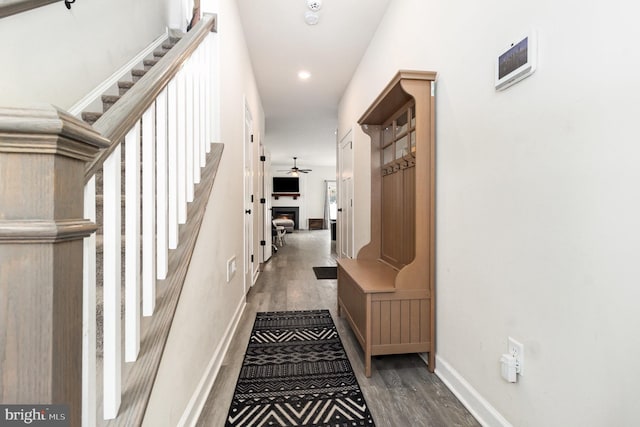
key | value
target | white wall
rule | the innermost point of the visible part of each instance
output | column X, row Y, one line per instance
column 317, row 189
column 537, row 201
column 207, row 303
column 56, row 56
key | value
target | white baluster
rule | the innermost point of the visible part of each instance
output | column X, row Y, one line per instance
column 172, row 125
column 89, row 312
column 148, row 212
column 112, row 356
column 162, row 241
column 208, row 79
column 189, row 121
column 182, row 147
column 196, row 118
column 132, row 245
column 203, row 105
column 215, row 64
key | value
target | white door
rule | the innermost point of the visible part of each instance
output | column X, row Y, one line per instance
column 267, row 184
column 345, row 197
column 248, row 200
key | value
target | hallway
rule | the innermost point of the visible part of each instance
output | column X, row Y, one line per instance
column 401, row 392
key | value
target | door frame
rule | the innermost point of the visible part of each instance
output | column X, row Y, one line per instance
column 247, row 199
column 265, row 186
column 345, row 207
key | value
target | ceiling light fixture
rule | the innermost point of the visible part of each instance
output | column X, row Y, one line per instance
column 304, row 75
column 311, row 18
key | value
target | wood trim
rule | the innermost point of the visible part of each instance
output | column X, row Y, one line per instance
column 401, row 295
column 372, row 249
column 420, row 268
column 116, row 122
column 393, row 97
column 8, row 8
column 37, row 231
column 278, row 195
column 368, row 336
column 383, row 349
column 432, row 227
column 370, row 276
column 48, row 130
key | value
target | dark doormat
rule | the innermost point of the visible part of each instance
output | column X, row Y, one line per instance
column 326, row 272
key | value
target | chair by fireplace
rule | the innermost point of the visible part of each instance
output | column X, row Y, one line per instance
column 286, row 212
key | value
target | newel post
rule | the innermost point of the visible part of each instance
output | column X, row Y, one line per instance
column 43, row 153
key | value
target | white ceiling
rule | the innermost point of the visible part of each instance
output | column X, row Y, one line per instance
column 301, row 116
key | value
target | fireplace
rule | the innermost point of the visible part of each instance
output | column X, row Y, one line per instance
column 286, row 212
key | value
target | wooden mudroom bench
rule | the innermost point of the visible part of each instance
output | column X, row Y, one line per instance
column 384, row 319
column 387, row 292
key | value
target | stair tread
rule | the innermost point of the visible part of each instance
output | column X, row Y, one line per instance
column 100, row 241
column 124, row 86
column 91, row 116
column 100, row 197
column 110, row 98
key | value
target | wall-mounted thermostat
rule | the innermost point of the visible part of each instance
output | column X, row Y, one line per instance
column 516, row 61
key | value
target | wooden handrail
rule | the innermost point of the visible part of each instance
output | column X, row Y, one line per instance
column 12, row 7
column 119, row 119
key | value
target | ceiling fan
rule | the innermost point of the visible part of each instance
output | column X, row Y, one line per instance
column 295, row 170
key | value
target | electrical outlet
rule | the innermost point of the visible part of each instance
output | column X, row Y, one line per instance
column 231, row 268
column 516, row 349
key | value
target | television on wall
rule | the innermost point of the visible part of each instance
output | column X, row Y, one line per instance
column 283, row 184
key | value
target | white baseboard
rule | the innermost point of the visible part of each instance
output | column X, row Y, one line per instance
column 96, row 93
column 198, row 399
column 482, row 410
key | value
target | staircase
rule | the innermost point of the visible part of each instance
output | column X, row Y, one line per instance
column 50, row 161
column 91, row 117
column 138, row 377
column 108, row 101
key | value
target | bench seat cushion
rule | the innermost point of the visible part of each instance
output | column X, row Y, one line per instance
column 288, row 224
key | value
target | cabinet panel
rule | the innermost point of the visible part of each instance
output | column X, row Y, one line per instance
column 392, row 218
column 405, row 320
column 408, row 215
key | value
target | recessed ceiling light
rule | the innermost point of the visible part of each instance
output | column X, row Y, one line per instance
column 304, row 75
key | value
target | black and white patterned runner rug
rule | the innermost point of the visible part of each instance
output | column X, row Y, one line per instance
column 296, row 373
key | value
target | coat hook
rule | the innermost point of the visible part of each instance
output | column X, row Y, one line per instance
column 68, row 3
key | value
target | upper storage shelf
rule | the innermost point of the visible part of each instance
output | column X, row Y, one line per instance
column 393, row 97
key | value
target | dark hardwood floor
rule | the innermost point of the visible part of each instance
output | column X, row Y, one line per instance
column 401, row 392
